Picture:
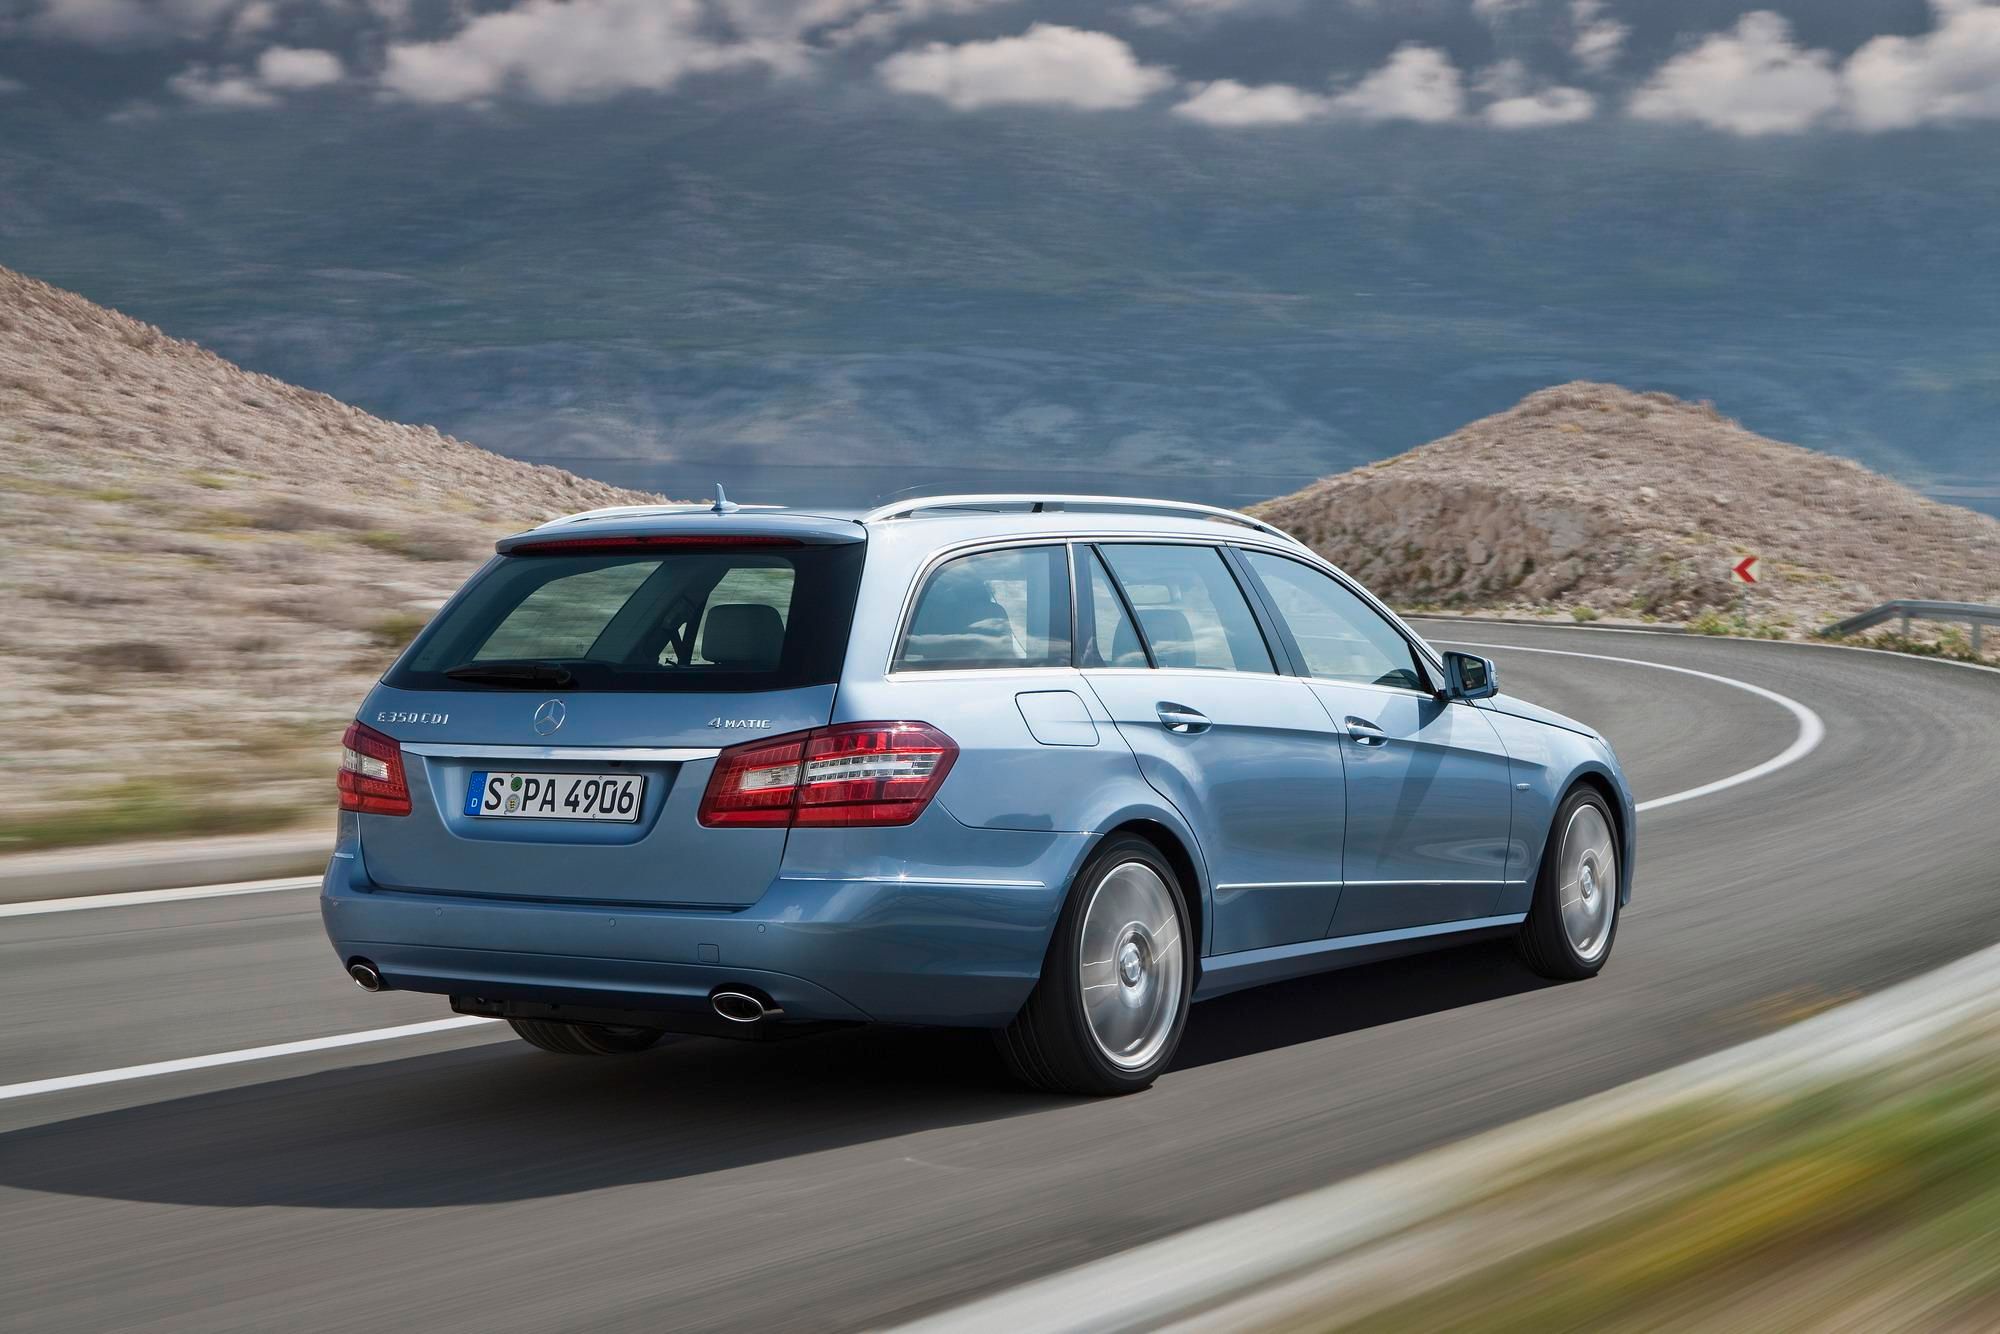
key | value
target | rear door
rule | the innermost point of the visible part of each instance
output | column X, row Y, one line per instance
column 1429, row 795
column 563, row 672
column 1177, row 657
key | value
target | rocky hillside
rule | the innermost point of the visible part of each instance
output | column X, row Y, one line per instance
column 1591, row 500
column 204, row 570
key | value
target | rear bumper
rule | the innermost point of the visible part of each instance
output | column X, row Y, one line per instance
column 952, row 951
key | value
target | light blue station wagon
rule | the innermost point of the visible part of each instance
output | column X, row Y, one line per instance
column 1055, row 766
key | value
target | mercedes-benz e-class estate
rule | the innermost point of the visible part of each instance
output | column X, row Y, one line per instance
column 1053, row 766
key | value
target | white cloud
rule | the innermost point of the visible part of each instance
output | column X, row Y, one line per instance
column 1951, row 73
column 1227, row 102
column 1550, row 106
column 885, row 20
column 1751, row 80
column 253, row 18
column 123, row 22
column 1049, row 65
column 8, row 87
column 1596, row 41
column 1493, row 11
column 583, row 50
column 1503, row 78
column 229, row 89
column 291, row 67
column 1416, row 83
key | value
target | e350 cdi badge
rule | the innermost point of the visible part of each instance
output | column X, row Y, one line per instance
column 1053, row 766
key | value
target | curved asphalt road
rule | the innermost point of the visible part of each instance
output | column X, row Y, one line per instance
column 462, row 1180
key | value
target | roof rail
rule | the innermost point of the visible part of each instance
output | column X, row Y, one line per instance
column 903, row 509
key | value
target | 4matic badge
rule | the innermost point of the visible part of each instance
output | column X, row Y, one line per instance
column 739, row 722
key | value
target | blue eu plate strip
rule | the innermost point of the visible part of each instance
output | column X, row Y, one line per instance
column 474, row 790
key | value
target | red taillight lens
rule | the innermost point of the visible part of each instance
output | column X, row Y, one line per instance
column 651, row 541
column 851, row 774
column 754, row 783
column 371, row 773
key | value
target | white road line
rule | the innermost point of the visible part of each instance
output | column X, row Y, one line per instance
column 143, row 896
column 61, row 1082
column 1811, row 730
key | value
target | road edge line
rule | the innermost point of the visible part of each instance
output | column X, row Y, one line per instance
column 1812, row 730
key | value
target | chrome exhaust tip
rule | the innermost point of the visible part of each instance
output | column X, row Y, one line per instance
column 364, row 974
column 741, row 1007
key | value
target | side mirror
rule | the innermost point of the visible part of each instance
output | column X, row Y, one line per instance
column 1469, row 677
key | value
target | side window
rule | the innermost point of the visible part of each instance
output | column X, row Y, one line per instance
column 1189, row 607
column 1341, row 637
column 1114, row 640
column 992, row 609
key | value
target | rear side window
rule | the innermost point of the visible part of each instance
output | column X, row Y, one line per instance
column 1190, row 608
column 1340, row 637
column 991, row 609
column 646, row 620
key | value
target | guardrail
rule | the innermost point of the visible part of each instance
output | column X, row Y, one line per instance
column 1909, row 609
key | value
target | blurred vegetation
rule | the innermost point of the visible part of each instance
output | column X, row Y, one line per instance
column 1950, row 641
column 136, row 808
column 396, row 629
column 1736, row 623
column 1871, row 1204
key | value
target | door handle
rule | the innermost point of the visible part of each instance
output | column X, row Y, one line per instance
column 1366, row 733
column 1180, row 718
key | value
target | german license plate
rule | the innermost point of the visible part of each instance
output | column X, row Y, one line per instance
column 512, row 796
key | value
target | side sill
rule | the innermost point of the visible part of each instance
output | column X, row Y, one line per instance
column 1225, row 973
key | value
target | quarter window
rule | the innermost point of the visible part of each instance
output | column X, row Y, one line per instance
column 1189, row 606
column 992, row 609
column 1340, row 637
column 1113, row 640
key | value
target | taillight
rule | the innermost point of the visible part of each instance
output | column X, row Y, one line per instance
column 650, row 541
column 371, row 773
column 850, row 774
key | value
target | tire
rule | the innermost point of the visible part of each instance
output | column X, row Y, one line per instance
column 1126, row 908
column 1573, row 920
column 583, row 1039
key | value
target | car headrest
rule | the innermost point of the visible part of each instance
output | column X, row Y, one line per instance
column 1167, row 630
column 745, row 636
column 1126, row 650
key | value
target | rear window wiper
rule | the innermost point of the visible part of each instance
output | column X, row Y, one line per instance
column 512, row 673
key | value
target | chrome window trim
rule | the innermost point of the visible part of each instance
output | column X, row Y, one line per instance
column 1251, row 541
column 602, row 754
column 950, row 673
column 941, row 556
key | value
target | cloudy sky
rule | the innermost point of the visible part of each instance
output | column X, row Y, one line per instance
column 159, row 154
column 1869, row 66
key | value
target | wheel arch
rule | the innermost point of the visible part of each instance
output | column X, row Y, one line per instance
column 1606, row 786
column 1176, row 843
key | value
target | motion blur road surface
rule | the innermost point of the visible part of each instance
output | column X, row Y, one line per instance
column 464, row 1180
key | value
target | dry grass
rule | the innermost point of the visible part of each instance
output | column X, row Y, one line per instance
column 1873, row 1203
column 1598, row 501
column 206, row 568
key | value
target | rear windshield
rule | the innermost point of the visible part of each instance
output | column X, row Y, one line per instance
column 645, row 620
